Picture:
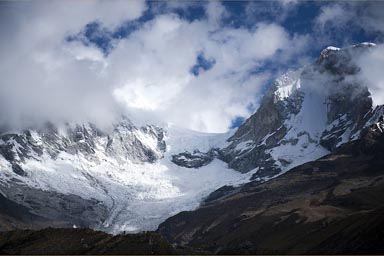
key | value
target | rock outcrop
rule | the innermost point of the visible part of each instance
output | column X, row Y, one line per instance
column 333, row 205
column 304, row 115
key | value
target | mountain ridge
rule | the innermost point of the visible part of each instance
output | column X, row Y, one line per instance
column 332, row 205
column 133, row 178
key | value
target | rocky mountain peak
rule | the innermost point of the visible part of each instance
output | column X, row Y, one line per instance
column 304, row 115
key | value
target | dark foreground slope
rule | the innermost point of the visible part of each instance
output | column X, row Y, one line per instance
column 332, row 205
column 81, row 241
column 15, row 216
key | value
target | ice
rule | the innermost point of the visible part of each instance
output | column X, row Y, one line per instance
column 288, row 83
column 139, row 196
column 303, row 129
column 181, row 140
column 245, row 145
column 332, row 48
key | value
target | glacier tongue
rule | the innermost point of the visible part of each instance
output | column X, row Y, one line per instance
column 128, row 172
column 162, row 190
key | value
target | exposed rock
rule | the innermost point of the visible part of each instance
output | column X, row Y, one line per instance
column 329, row 206
column 16, row 216
column 27, row 152
column 124, row 142
column 195, row 159
column 51, row 205
column 284, row 131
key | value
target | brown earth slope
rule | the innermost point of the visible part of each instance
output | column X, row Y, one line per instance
column 81, row 241
column 329, row 206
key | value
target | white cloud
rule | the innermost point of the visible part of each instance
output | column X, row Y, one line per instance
column 43, row 76
column 157, row 75
column 341, row 20
column 335, row 15
column 371, row 64
column 147, row 75
column 372, row 18
column 215, row 12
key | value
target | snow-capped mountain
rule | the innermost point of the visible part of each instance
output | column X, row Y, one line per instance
column 122, row 180
column 132, row 178
column 305, row 115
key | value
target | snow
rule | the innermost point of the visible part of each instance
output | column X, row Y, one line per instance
column 139, row 196
column 365, row 44
column 181, row 140
column 332, row 48
column 336, row 122
column 245, row 145
column 301, row 143
column 345, row 137
column 36, row 137
column 288, row 83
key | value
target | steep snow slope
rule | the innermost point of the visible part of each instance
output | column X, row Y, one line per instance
column 300, row 143
column 127, row 172
column 304, row 115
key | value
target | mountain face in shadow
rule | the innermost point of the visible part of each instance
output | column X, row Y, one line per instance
column 329, row 206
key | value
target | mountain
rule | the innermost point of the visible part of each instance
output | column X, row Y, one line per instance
column 117, row 180
column 304, row 115
column 333, row 205
column 329, row 206
column 132, row 178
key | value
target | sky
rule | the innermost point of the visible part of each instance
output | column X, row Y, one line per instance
column 199, row 65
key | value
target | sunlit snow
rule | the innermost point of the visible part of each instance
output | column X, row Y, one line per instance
column 138, row 196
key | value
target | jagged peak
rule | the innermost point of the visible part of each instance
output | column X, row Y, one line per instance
column 287, row 83
column 325, row 53
column 332, row 49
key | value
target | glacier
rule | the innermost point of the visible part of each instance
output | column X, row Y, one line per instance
column 138, row 195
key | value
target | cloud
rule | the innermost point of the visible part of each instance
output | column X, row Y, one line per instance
column 371, row 74
column 335, row 15
column 278, row 11
column 343, row 20
column 157, row 75
column 45, row 78
column 146, row 76
column 371, row 17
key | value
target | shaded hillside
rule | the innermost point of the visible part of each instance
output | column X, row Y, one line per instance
column 304, row 115
column 332, row 205
column 15, row 216
column 81, row 241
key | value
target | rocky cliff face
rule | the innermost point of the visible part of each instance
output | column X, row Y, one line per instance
column 125, row 142
column 123, row 179
column 329, row 206
column 304, row 115
column 35, row 165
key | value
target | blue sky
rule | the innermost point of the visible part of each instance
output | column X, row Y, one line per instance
column 202, row 65
column 297, row 17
